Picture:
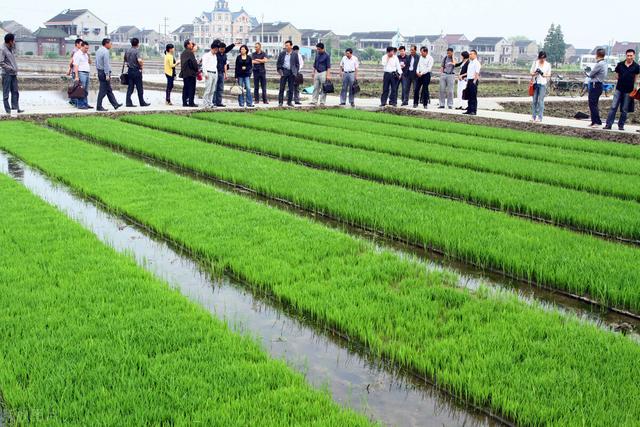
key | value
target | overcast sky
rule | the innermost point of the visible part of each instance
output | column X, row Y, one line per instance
column 581, row 20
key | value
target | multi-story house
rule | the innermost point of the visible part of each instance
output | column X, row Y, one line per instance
column 272, row 35
column 123, row 34
column 378, row 40
column 79, row 23
column 492, row 50
column 222, row 24
column 458, row 42
column 182, row 33
column 524, row 51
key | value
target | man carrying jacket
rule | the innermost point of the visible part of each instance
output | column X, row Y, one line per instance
column 288, row 67
column 9, row 74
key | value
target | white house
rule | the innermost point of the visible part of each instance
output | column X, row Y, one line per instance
column 222, row 24
column 272, row 35
column 80, row 23
column 493, row 50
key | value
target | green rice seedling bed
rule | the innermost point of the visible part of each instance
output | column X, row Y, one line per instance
column 587, row 212
column 596, row 182
column 560, row 156
column 580, row 264
column 530, row 365
column 89, row 338
column 565, row 142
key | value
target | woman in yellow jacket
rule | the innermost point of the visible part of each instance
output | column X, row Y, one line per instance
column 170, row 69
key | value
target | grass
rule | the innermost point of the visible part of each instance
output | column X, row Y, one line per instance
column 532, row 366
column 566, row 142
column 89, row 338
column 562, row 206
column 592, row 161
column 622, row 186
column 555, row 257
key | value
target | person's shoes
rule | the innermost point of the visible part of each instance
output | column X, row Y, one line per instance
column 168, row 103
column 460, row 108
column 265, row 102
column 20, row 111
column 298, row 103
column 115, row 107
column 220, row 105
column 102, row 110
column 426, row 106
column 620, row 127
column 353, row 105
column 289, row 104
column 280, row 104
column 383, row 105
column 131, row 106
column 193, row 105
column 322, row 105
column 90, row 107
column 441, row 107
column 83, row 108
column 450, row 108
column 342, row 104
column 404, row 104
column 146, row 104
column 607, row 127
column 415, row 105
column 469, row 113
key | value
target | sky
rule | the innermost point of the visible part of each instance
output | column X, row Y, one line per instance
column 579, row 19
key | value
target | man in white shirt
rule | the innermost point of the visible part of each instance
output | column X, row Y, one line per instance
column 349, row 66
column 210, row 72
column 82, row 68
column 391, row 79
column 423, row 74
column 473, row 78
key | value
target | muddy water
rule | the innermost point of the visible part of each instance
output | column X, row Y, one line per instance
column 354, row 379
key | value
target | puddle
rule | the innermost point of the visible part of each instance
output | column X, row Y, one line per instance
column 355, row 380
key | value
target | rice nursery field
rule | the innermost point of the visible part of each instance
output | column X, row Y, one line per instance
column 90, row 338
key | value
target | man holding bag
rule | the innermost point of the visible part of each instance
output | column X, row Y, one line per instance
column 321, row 73
column 82, row 69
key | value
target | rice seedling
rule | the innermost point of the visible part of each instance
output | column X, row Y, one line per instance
column 596, row 182
column 555, row 257
column 560, row 156
column 562, row 206
column 533, row 366
column 565, row 142
column 89, row 338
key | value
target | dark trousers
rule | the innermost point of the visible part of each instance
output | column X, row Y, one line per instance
column 217, row 98
column 10, row 88
column 389, row 89
column 170, row 80
column 594, row 97
column 408, row 81
column 288, row 80
column 189, row 91
column 105, row 90
column 421, row 92
column 472, row 93
column 135, row 81
column 260, row 80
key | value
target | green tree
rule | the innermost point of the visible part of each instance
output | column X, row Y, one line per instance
column 554, row 45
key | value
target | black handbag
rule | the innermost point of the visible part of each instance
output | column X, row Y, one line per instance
column 299, row 79
column 465, row 95
column 124, row 77
column 327, row 87
column 76, row 91
column 355, row 88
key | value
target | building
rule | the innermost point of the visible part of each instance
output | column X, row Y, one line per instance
column 458, row 42
column 16, row 28
column 50, row 41
column 79, row 23
column 310, row 38
column 619, row 49
column 123, row 34
column 272, row 35
column 182, row 34
column 222, row 24
column 378, row 40
column 492, row 50
column 524, row 51
column 569, row 52
column 2, row 33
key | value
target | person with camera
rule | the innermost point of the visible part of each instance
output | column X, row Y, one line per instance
column 540, row 72
column 391, row 78
column 349, row 68
column 321, row 73
column 627, row 72
column 425, row 65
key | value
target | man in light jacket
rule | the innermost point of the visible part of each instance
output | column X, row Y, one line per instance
column 9, row 74
column 210, row 72
column 288, row 67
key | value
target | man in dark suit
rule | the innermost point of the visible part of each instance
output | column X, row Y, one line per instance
column 188, row 74
column 409, row 75
column 288, row 66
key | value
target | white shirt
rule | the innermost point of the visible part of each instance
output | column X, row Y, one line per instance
column 545, row 68
column 349, row 65
column 425, row 64
column 412, row 63
column 301, row 60
column 391, row 65
column 82, row 61
column 474, row 68
column 209, row 63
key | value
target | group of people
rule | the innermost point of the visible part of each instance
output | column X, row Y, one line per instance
column 627, row 72
column 413, row 71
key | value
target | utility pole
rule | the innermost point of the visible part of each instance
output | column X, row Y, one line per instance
column 166, row 24
column 262, row 30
